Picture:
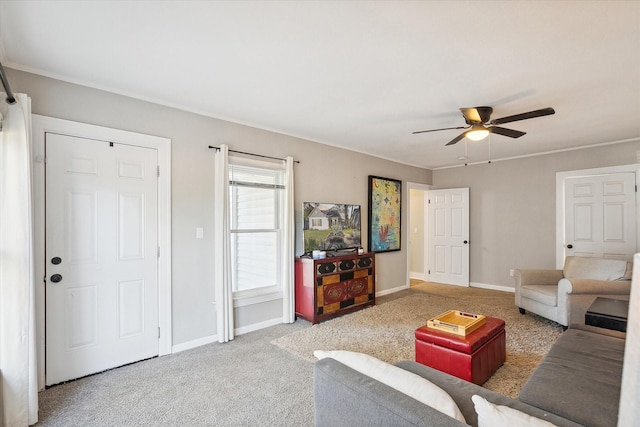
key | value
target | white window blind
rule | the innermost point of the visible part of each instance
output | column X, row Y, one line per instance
column 256, row 216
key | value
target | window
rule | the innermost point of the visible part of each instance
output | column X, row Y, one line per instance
column 256, row 218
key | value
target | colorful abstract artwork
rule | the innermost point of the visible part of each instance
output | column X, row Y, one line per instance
column 385, row 197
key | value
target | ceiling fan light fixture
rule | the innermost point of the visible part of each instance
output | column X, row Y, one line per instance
column 477, row 133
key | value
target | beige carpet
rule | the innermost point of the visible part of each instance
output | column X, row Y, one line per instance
column 386, row 331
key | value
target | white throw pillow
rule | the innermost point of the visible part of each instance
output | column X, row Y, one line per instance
column 490, row 415
column 405, row 382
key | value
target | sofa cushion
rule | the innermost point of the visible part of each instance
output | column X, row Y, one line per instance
column 545, row 294
column 579, row 378
column 461, row 391
column 576, row 267
column 405, row 382
column 343, row 396
column 490, row 415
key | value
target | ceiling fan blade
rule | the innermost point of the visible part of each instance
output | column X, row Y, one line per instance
column 506, row 132
column 435, row 130
column 523, row 116
column 477, row 114
column 456, row 139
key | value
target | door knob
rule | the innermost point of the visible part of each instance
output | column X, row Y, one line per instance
column 569, row 246
column 465, row 242
column 56, row 260
column 56, row 278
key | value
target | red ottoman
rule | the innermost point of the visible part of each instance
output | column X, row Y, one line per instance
column 473, row 358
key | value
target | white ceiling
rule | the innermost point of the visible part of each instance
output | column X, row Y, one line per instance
column 355, row 74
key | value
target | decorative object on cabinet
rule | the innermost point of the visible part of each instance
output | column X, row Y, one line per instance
column 385, row 198
column 333, row 286
column 327, row 226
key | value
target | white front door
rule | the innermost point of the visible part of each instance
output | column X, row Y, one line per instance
column 101, row 256
column 600, row 216
column 448, row 217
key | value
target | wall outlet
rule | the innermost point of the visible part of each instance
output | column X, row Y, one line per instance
column 511, row 272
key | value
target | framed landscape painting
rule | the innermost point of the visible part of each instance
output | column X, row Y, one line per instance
column 330, row 227
column 385, row 200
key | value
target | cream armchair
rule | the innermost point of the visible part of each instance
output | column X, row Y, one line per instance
column 565, row 295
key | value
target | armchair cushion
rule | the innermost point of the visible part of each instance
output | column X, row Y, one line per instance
column 546, row 294
column 596, row 268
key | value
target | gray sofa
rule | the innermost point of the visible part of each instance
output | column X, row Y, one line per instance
column 577, row 383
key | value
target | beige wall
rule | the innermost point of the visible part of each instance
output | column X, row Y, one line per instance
column 513, row 207
column 325, row 174
column 512, row 202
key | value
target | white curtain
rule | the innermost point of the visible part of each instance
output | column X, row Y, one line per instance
column 222, row 262
column 18, row 375
column 288, row 306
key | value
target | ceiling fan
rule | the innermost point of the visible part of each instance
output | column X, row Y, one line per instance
column 480, row 125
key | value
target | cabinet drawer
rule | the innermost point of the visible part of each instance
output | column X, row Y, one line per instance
column 347, row 264
column 326, row 267
column 342, row 291
column 365, row 262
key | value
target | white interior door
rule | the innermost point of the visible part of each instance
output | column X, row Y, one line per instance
column 600, row 216
column 448, row 217
column 101, row 256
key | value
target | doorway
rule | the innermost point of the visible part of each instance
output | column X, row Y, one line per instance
column 597, row 213
column 126, row 141
column 438, row 235
column 448, row 236
column 415, row 233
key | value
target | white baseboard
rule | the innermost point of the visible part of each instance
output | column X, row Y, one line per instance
column 391, row 291
column 194, row 343
column 258, row 326
column 214, row 338
column 492, row 287
column 417, row 275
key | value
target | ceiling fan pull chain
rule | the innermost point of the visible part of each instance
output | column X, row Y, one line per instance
column 489, row 148
column 466, row 159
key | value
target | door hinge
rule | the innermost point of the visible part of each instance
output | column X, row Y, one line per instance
column 429, row 201
column 428, row 271
column 158, row 169
column 158, row 331
column 158, row 251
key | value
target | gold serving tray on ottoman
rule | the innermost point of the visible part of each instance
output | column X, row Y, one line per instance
column 456, row 322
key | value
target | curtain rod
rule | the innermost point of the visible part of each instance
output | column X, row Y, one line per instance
column 10, row 99
column 252, row 154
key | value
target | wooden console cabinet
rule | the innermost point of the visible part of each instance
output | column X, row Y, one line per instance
column 335, row 285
